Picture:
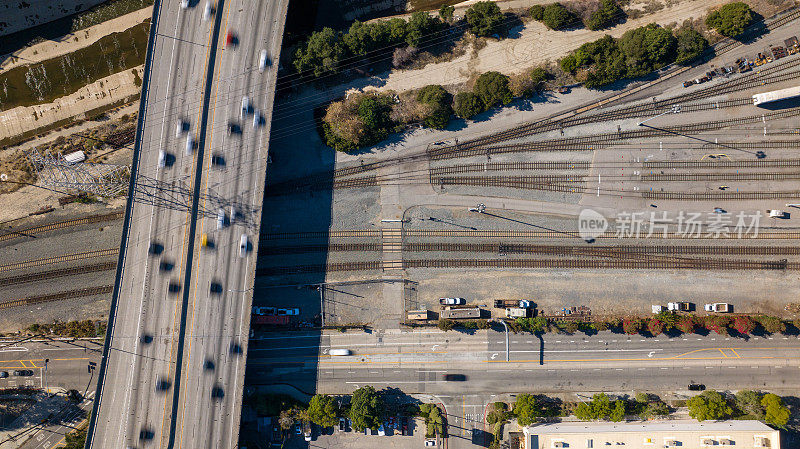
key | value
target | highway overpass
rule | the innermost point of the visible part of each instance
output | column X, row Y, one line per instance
column 173, row 366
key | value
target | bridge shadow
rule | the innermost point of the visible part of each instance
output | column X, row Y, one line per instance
column 284, row 347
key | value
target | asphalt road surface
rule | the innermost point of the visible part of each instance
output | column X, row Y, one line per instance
column 417, row 362
column 218, row 317
column 157, row 387
column 67, row 366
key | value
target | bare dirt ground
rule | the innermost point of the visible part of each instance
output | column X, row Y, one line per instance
column 120, row 86
column 18, row 15
column 535, row 45
column 74, row 41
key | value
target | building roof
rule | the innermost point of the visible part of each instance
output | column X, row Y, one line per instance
column 687, row 425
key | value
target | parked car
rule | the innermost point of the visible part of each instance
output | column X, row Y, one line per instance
column 452, row 301
column 718, row 307
column 679, row 306
column 404, row 425
column 381, row 431
column 3, row 374
column 696, row 387
column 342, row 425
column 430, row 443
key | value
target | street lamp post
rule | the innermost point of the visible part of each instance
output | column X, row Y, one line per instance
column 673, row 110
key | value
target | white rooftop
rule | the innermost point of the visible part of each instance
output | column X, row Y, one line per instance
column 688, row 425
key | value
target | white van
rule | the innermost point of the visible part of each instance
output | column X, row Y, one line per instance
column 220, row 218
column 207, row 12
column 339, row 351
column 262, row 61
column 162, row 159
column 243, row 246
column 189, row 145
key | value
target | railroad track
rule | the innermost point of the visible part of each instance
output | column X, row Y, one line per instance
column 724, row 195
column 600, row 140
column 727, row 163
column 495, row 234
column 630, row 264
column 53, row 274
column 9, row 234
column 659, row 177
column 524, row 248
column 71, row 294
column 59, row 259
column 555, row 122
column 555, row 183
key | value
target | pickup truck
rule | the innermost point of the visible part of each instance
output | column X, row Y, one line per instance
column 679, row 306
column 718, row 307
column 452, row 301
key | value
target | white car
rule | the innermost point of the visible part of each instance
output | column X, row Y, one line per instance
column 262, row 61
column 162, row 159
column 256, row 118
column 245, row 106
column 207, row 12
column 452, row 301
column 339, row 351
column 184, row 4
column 220, row 218
column 233, row 214
column 243, row 246
column 381, row 431
column 189, row 145
column 181, row 127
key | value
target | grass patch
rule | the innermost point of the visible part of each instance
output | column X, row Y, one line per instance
column 429, row 5
column 63, row 75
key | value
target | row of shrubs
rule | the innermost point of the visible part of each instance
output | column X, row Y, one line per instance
column 558, row 17
column 664, row 322
column 74, row 329
column 364, row 119
column 709, row 405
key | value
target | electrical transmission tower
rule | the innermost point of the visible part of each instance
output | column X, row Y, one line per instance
column 105, row 180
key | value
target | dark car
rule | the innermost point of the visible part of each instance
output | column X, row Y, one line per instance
column 218, row 160
column 23, row 372
column 166, row 265
column 174, row 287
column 404, row 425
column 3, row 374
column 696, row 387
column 155, row 249
column 216, row 288
column 162, row 384
column 217, row 392
column 455, row 377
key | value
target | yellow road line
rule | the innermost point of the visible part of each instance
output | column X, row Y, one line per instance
column 204, row 182
column 735, row 353
column 723, row 352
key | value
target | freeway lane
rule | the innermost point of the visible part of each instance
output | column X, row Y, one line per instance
column 218, row 321
column 144, row 336
column 417, row 361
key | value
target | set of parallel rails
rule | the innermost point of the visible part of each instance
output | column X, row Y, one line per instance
column 621, row 263
column 60, row 296
column 10, row 233
column 763, row 234
column 53, row 274
column 525, row 248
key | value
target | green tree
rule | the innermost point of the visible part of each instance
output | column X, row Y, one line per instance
column 744, row 324
column 608, row 13
column 536, row 12
column 321, row 54
column 420, row 28
column 363, row 38
column 690, row 45
column 538, row 76
column 749, row 403
column 397, row 29
column 631, row 326
column 618, row 412
column 485, row 19
column 771, row 324
column 600, row 405
column 730, row 20
column 446, row 13
column 527, row 409
column 655, row 327
column 323, row 410
column 438, row 99
column 646, row 49
column 492, row 88
column 445, row 324
column 467, row 105
column 709, row 405
column 374, row 110
column 583, row 412
column 532, row 325
column 366, row 409
column 775, row 412
column 686, row 324
column 75, row 439
column 556, row 17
